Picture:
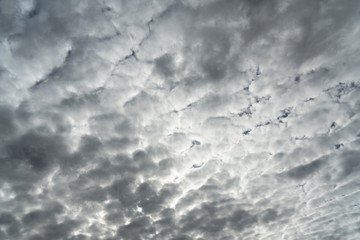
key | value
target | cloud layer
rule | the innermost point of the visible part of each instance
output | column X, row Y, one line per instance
column 179, row 119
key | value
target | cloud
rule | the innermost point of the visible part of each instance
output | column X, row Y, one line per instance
column 179, row 120
column 305, row 170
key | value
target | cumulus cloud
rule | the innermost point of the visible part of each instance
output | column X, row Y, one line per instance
column 179, row 119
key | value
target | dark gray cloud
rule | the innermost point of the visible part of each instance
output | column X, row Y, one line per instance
column 39, row 151
column 306, row 170
column 183, row 119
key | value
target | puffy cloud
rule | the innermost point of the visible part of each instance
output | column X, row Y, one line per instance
column 179, row 120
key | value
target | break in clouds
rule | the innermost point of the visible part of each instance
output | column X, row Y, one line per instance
column 190, row 119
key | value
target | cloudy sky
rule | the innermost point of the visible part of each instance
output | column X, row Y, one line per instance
column 190, row 119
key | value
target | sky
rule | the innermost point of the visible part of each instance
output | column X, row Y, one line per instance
column 179, row 119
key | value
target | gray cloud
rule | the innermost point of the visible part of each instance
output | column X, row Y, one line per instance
column 179, row 120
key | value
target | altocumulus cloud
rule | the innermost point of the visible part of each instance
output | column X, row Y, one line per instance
column 185, row 119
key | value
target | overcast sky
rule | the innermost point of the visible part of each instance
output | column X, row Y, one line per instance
column 189, row 119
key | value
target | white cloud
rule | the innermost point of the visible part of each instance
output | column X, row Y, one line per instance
column 179, row 120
